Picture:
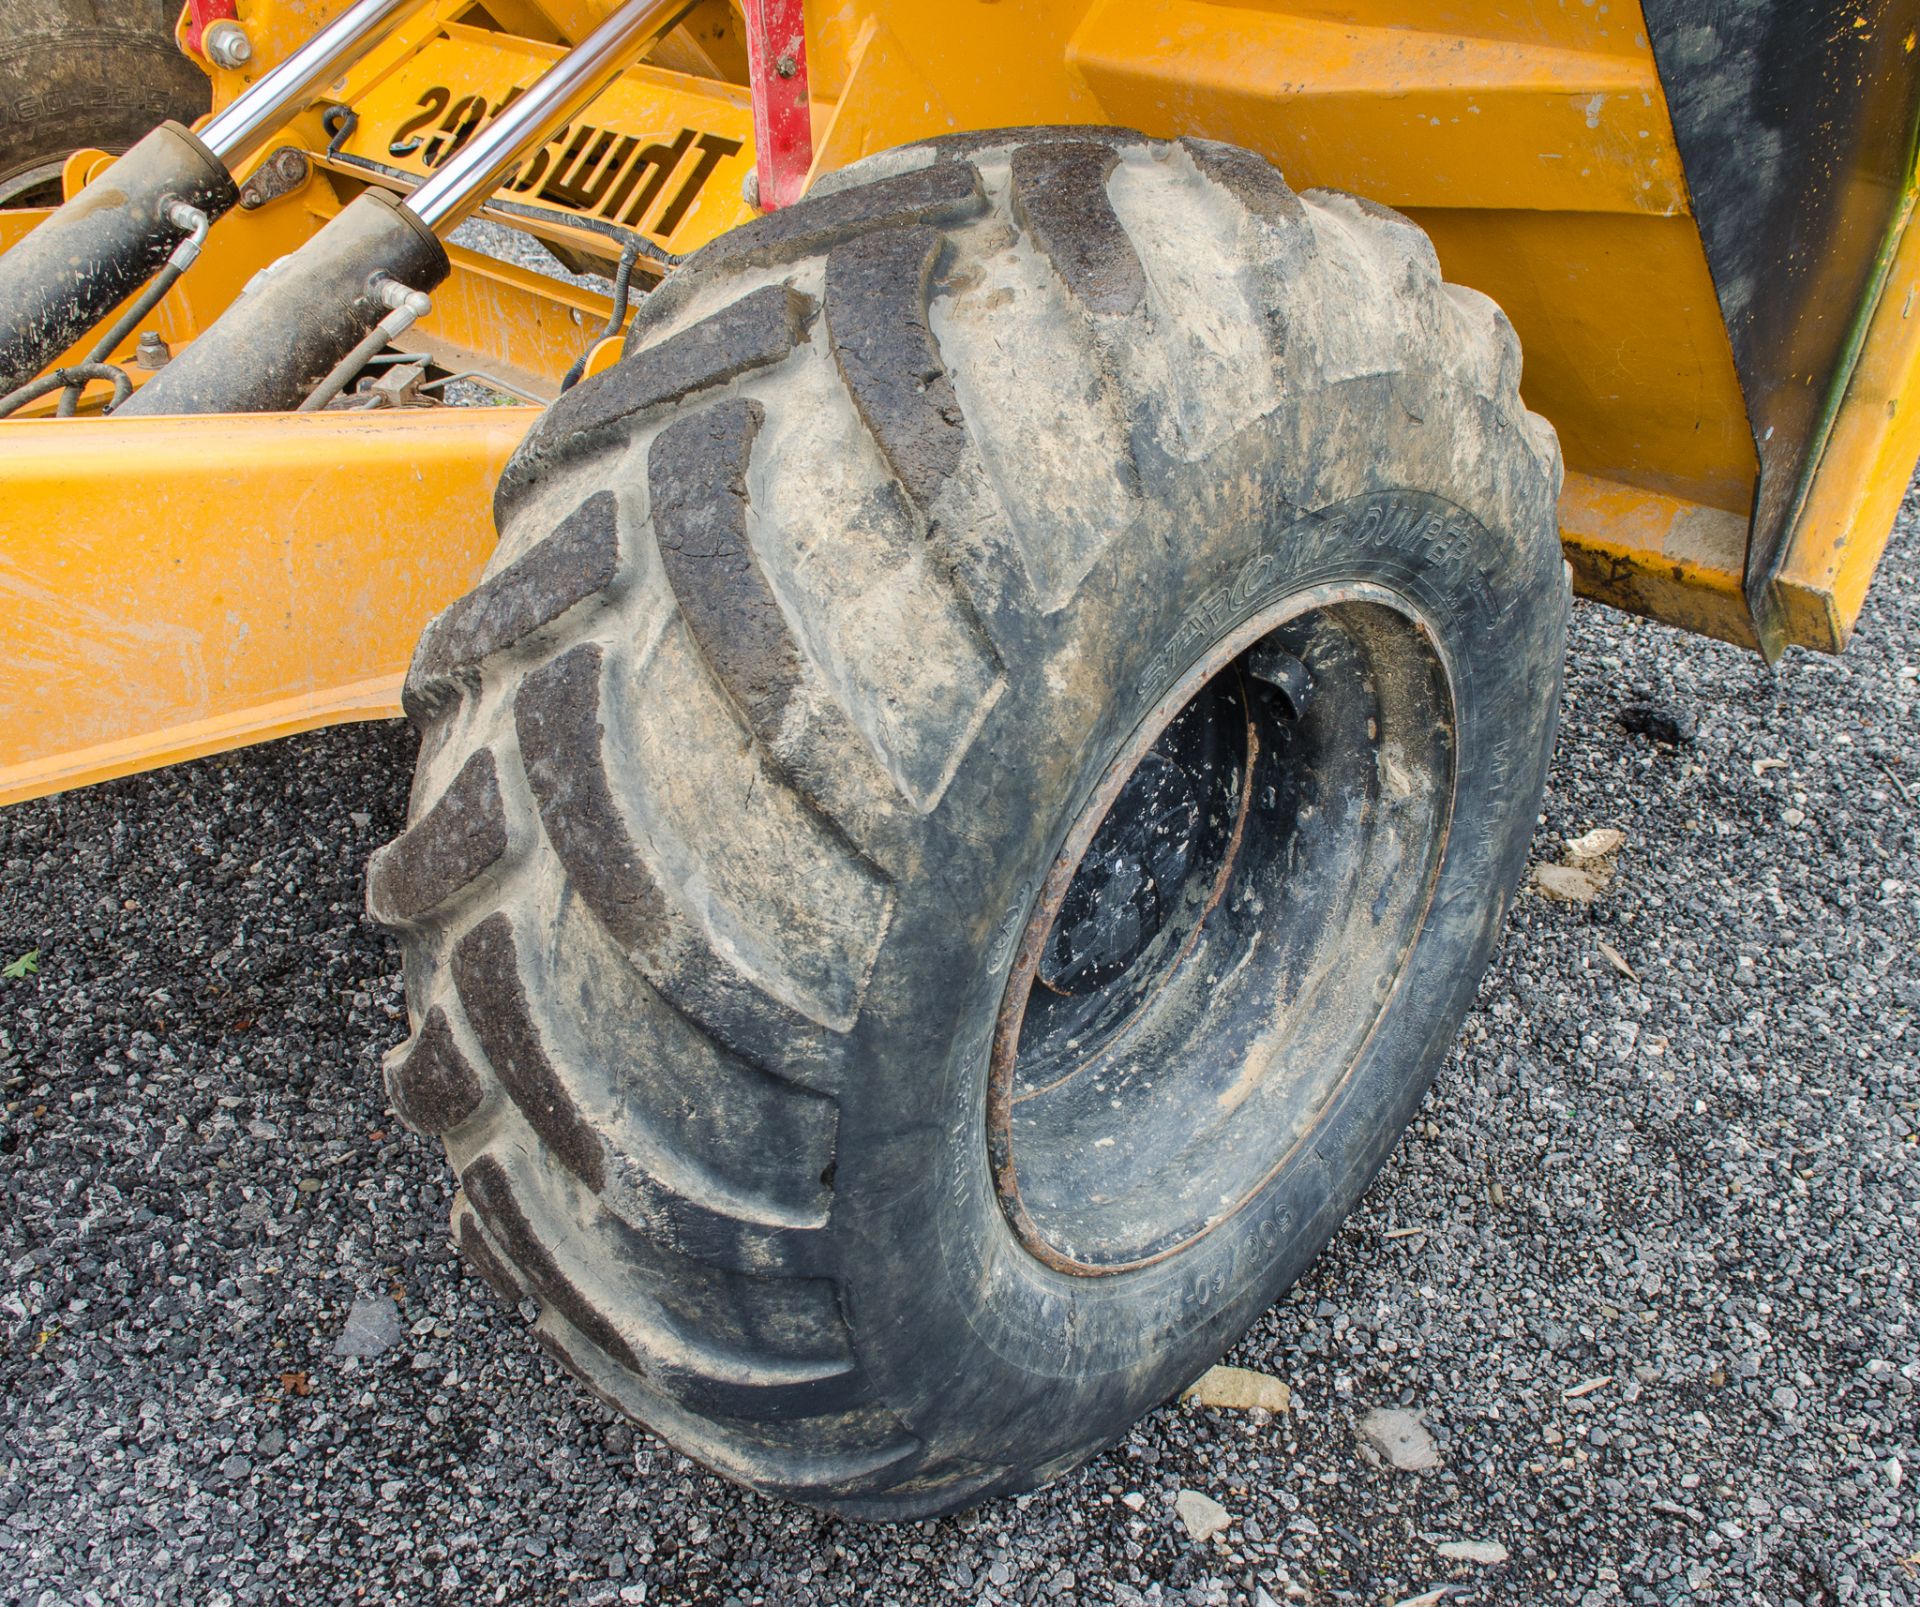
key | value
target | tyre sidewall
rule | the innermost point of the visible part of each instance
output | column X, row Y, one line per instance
column 91, row 87
column 975, row 1343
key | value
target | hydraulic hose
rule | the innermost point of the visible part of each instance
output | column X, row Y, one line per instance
column 61, row 379
column 406, row 305
column 182, row 216
column 622, row 290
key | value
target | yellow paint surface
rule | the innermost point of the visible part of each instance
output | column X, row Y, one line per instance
column 171, row 587
column 1836, row 542
column 277, row 576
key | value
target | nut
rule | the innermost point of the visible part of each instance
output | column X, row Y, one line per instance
column 226, row 44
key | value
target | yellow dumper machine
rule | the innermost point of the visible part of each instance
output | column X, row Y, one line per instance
column 981, row 710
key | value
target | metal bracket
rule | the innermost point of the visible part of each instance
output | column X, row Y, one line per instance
column 201, row 14
column 782, row 116
column 280, row 174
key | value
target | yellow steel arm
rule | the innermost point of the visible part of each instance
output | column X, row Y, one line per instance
column 275, row 579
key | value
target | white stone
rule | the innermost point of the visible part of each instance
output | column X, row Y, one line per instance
column 1203, row 1516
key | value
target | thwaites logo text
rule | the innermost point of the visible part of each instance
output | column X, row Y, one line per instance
column 599, row 171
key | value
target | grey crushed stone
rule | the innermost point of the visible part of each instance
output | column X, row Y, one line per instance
column 372, row 1328
column 1703, row 1185
column 1401, row 1438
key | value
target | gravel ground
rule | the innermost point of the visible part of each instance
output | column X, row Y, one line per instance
column 1687, row 1168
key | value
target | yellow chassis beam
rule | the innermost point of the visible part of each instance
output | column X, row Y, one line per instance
column 175, row 587
column 276, row 577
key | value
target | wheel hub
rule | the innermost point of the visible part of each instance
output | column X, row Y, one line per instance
column 1132, row 879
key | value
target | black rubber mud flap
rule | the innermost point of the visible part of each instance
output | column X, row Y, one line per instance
column 972, row 801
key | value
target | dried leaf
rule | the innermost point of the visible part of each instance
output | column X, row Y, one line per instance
column 1486, row 1553
column 1202, row 1515
column 1568, row 885
column 1618, row 961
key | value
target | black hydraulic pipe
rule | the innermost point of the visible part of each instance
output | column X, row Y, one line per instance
column 102, row 246
column 74, row 378
column 295, row 322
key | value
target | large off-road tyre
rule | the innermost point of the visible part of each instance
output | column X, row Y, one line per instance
column 77, row 75
column 972, row 799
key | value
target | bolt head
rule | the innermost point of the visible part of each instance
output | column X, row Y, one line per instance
column 226, row 44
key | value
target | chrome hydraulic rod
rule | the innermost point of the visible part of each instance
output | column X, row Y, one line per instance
column 474, row 171
column 295, row 326
column 262, row 110
column 109, row 240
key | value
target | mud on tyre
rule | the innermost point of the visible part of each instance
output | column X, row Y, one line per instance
column 972, row 799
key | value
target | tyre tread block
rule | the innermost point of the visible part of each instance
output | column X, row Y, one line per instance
column 1060, row 197
column 616, row 1129
column 490, row 1192
column 970, row 145
column 697, row 483
column 1251, row 180
column 474, row 1244
column 557, row 716
column 580, row 560
column 876, row 306
column 939, row 194
column 460, row 838
column 486, row 974
column 431, row 1084
column 713, row 1373
column 698, row 1230
column 725, row 1134
column 804, row 1457
column 944, row 193
column 756, row 331
column 1389, row 234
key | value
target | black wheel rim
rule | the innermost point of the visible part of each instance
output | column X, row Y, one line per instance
column 1222, row 931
